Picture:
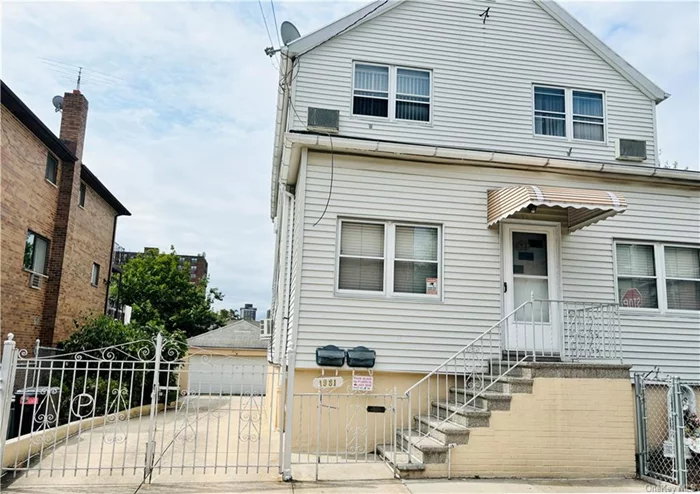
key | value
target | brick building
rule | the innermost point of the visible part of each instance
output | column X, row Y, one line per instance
column 58, row 224
column 197, row 265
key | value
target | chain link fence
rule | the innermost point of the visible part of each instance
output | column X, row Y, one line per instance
column 668, row 431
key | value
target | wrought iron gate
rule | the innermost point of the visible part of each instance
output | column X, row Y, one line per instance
column 342, row 426
column 139, row 408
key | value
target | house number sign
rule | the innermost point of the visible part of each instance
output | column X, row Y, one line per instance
column 328, row 382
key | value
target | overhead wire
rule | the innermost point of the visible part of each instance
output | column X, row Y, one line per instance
column 277, row 27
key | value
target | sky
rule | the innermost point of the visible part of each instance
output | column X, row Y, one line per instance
column 182, row 108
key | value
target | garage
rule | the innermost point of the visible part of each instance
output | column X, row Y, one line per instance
column 231, row 360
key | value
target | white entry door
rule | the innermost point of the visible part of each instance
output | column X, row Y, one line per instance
column 531, row 268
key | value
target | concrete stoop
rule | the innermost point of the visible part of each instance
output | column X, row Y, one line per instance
column 431, row 437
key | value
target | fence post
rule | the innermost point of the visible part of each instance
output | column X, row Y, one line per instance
column 7, row 378
column 678, row 431
column 289, row 415
column 151, row 445
column 640, row 413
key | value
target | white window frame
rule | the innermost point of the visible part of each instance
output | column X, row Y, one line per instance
column 569, row 114
column 391, row 107
column 389, row 258
column 660, row 268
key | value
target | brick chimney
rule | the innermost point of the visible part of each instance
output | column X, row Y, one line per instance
column 74, row 121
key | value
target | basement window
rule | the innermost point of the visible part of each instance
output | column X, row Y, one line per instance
column 36, row 253
column 51, row 168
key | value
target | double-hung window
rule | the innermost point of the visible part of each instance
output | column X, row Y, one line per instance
column 389, row 258
column 682, row 266
column 563, row 112
column 658, row 276
column 371, row 91
column 395, row 93
column 588, row 119
column 550, row 111
column 36, row 253
column 51, row 173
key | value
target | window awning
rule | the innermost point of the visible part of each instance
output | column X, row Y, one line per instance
column 574, row 208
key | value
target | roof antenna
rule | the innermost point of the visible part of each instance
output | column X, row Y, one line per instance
column 485, row 14
column 80, row 73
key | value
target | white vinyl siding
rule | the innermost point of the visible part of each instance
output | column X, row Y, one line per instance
column 482, row 79
column 417, row 335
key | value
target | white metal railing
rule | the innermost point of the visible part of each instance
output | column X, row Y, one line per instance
column 566, row 330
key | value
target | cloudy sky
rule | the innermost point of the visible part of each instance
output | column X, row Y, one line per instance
column 181, row 132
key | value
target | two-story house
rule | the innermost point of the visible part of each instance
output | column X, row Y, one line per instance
column 448, row 170
column 58, row 225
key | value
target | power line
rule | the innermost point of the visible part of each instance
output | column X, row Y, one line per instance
column 265, row 22
column 64, row 64
column 277, row 27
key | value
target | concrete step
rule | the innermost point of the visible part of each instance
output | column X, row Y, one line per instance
column 506, row 384
column 470, row 417
column 445, row 432
column 498, row 367
column 488, row 400
column 404, row 466
column 425, row 449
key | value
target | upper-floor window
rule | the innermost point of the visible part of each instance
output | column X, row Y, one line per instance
column 81, row 195
column 391, row 92
column 389, row 258
column 560, row 112
column 95, row 275
column 51, row 168
column 36, row 253
column 657, row 276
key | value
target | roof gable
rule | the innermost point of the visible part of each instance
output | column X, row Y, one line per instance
column 351, row 21
column 238, row 334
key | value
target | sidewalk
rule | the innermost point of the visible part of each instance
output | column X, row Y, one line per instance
column 523, row 486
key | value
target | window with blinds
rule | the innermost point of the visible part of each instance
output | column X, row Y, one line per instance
column 392, row 258
column 415, row 259
column 656, row 276
column 636, row 276
column 396, row 93
column 566, row 112
column 361, row 259
column 682, row 278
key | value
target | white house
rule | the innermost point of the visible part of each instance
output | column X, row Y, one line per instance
column 436, row 166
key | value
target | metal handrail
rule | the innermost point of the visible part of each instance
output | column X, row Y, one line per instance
column 587, row 330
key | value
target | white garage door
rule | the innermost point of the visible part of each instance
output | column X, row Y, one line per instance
column 215, row 374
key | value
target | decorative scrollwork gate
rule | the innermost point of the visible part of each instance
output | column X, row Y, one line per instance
column 140, row 408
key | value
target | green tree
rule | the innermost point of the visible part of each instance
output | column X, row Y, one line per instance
column 160, row 294
column 228, row 315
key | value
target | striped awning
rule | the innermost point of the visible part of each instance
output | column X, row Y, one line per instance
column 574, row 208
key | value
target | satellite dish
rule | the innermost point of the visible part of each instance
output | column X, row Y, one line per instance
column 57, row 102
column 289, row 32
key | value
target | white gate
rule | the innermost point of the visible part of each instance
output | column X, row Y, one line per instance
column 132, row 409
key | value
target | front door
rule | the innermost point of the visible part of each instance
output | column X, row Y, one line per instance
column 531, row 269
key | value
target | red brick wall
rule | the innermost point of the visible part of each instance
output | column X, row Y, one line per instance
column 28, row 201
column 78, row 237
column 89, row 241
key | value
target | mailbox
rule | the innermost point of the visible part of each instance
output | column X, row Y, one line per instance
column 361, row 356
column 330, row 356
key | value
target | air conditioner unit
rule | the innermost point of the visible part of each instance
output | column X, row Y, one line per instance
column 266, row 329
column 35, row 281
column 630, row 150
column 323, row 120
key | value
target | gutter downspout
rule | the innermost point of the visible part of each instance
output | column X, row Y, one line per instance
column 288, row 369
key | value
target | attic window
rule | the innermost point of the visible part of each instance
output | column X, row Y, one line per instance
column 371, row 90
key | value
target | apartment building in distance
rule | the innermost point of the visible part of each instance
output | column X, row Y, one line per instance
column 58, row 224
column 196, row 264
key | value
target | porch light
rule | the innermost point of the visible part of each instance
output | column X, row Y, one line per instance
column 361, row 356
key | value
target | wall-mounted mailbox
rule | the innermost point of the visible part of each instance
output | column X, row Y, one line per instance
column 361, row 356
column 330, row 356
